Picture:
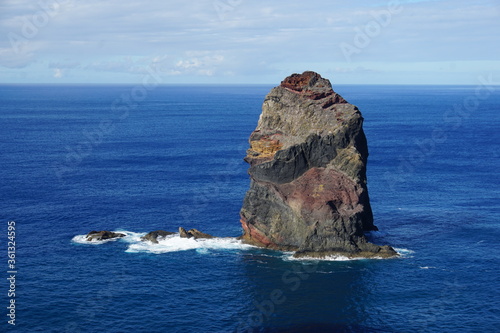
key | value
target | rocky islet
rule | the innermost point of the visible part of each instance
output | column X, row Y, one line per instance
column 307, row 159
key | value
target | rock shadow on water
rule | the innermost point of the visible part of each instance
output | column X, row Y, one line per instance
column 323, row 328
column 305, row 296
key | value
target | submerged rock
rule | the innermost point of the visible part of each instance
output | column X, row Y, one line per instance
column 193, row 233
column 307, row 161
column 102, row 235
column 153, row 236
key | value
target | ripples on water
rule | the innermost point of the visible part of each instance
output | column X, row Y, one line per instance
column 177, row 161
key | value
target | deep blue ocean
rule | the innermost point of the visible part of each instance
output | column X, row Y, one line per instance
column 121, row 158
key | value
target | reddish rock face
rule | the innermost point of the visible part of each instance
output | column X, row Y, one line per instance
column 323, row 189
column 312, row 86
column 255, row 236
column 308, row 173
column 299, row 82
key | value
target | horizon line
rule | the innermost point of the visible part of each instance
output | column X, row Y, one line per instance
column 222, row 84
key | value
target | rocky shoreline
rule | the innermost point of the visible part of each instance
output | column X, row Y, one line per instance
column 153, row 236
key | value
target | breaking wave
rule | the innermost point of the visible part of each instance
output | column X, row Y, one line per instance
column 403, row 253
column 175, row 243
column 172, row 243
column 129, row 237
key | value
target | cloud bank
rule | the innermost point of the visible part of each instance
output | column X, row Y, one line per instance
column 242, row 41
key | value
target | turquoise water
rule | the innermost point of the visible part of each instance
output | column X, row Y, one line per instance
column 79, row 158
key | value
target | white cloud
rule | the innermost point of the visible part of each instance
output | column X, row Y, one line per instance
column 25, row 55
column 188, row 64
column 58, row 73
column 203, row 63
column 206, row 72
column 191, row 39
column 66, row 64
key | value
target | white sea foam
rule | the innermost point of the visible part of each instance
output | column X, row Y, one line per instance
column 327, row 258
column 82, row 239
column 288, row 256
column 172, row 243
column 131, row 237
column 175, row 243
column 404, row 253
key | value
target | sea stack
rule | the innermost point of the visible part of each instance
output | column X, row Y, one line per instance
column 307, row 159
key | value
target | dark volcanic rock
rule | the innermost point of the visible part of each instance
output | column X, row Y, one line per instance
column 307, row 161
column 102, row 235
column 153, row 236
column 193, row 233
column 183, row 233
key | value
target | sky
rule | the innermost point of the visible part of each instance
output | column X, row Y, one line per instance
column 249, row 41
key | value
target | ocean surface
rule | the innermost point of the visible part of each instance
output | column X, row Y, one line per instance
column 124, row 158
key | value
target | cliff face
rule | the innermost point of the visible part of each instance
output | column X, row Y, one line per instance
column 307, row 161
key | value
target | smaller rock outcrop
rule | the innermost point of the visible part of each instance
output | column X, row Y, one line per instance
column 154, row 236
column 193, row 233
column 103, row 235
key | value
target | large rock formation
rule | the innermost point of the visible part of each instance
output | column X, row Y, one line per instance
column 307, row 161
